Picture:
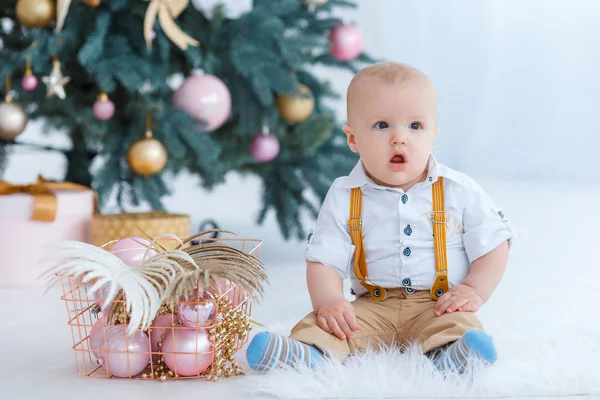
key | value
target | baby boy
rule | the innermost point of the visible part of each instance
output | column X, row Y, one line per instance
column 423, row 245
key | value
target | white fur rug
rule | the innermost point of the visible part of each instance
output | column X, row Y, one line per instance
column 543, row 362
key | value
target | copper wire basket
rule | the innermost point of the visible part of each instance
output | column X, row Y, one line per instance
column 227, row 333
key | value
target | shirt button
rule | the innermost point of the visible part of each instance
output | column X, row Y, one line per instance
column 410, row 290
column 406, row 282
column 404, row 198
column 407, row 251
column 408, row 230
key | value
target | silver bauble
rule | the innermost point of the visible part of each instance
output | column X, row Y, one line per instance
column 13, row 120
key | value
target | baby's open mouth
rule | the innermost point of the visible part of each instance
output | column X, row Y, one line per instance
column 397, row 162
column 397, row 159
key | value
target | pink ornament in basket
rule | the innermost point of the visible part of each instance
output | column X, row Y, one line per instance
column 131, row 250
column 160, row 326
column 123, row 355
column 198, row 310
column 231, row 292
column 187, row 351
column 97, row 340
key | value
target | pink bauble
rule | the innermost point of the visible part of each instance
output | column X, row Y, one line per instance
column 346, row 42
column 97, row 340
column 104, row 109
column 197, row 310
column 131, row 250
column 125, row 355
column 158, row 327
column 29, row 82
column 231, row 292
column 264, row 147
column 206, row 98
column 178, row 342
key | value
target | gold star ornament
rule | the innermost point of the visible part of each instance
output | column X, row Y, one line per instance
column 56, row 81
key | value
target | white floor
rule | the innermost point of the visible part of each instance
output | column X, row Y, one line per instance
column 552, row 282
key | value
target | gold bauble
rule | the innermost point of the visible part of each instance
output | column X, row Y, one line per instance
column 92, row 3
column 296, row 108
column 36, row 13
column 147, row 156
column 13, row 120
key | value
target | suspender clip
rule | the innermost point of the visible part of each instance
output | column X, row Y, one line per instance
column 355, row 223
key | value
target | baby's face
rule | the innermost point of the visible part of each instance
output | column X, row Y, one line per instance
column 392, row 126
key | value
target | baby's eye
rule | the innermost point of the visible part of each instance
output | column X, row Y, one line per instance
column 416, row 126
column 382, row 125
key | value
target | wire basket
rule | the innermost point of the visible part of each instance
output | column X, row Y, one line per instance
column 172, row 348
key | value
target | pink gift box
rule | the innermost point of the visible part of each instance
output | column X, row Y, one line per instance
column 21, row 239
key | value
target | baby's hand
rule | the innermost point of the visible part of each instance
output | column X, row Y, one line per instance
column 458, row 298
column 337, row 317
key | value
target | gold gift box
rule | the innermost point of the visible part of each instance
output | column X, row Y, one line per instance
column 105, row 228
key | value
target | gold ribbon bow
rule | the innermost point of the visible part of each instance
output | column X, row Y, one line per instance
column 62, row 8
column 45, row 201
column 167, row 11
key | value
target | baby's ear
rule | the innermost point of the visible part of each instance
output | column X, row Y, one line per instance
column 350, row 138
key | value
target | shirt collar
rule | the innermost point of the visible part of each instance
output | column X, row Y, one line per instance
column 358, row 177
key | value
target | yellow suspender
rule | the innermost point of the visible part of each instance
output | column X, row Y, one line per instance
column 360, row 264
column 440, row 285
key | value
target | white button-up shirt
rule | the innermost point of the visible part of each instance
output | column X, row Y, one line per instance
column 397, row 229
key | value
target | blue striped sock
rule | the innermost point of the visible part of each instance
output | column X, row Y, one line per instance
column 267, row 350
column 474, row 344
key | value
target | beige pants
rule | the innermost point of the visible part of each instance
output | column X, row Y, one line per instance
column 401, row 319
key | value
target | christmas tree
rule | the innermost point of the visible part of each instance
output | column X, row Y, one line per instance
column 106, row 73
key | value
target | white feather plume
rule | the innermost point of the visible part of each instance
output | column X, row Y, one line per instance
column 144, row 287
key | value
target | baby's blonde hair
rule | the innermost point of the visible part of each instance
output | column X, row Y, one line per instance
column 390, row 71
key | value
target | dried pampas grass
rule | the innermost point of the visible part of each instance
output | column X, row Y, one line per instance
column 218, row 261
column 161, row 279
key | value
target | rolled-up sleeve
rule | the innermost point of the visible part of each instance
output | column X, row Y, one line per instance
column 485, row 224
column 329, row 242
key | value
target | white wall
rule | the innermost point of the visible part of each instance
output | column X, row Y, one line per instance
column 518, row 83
